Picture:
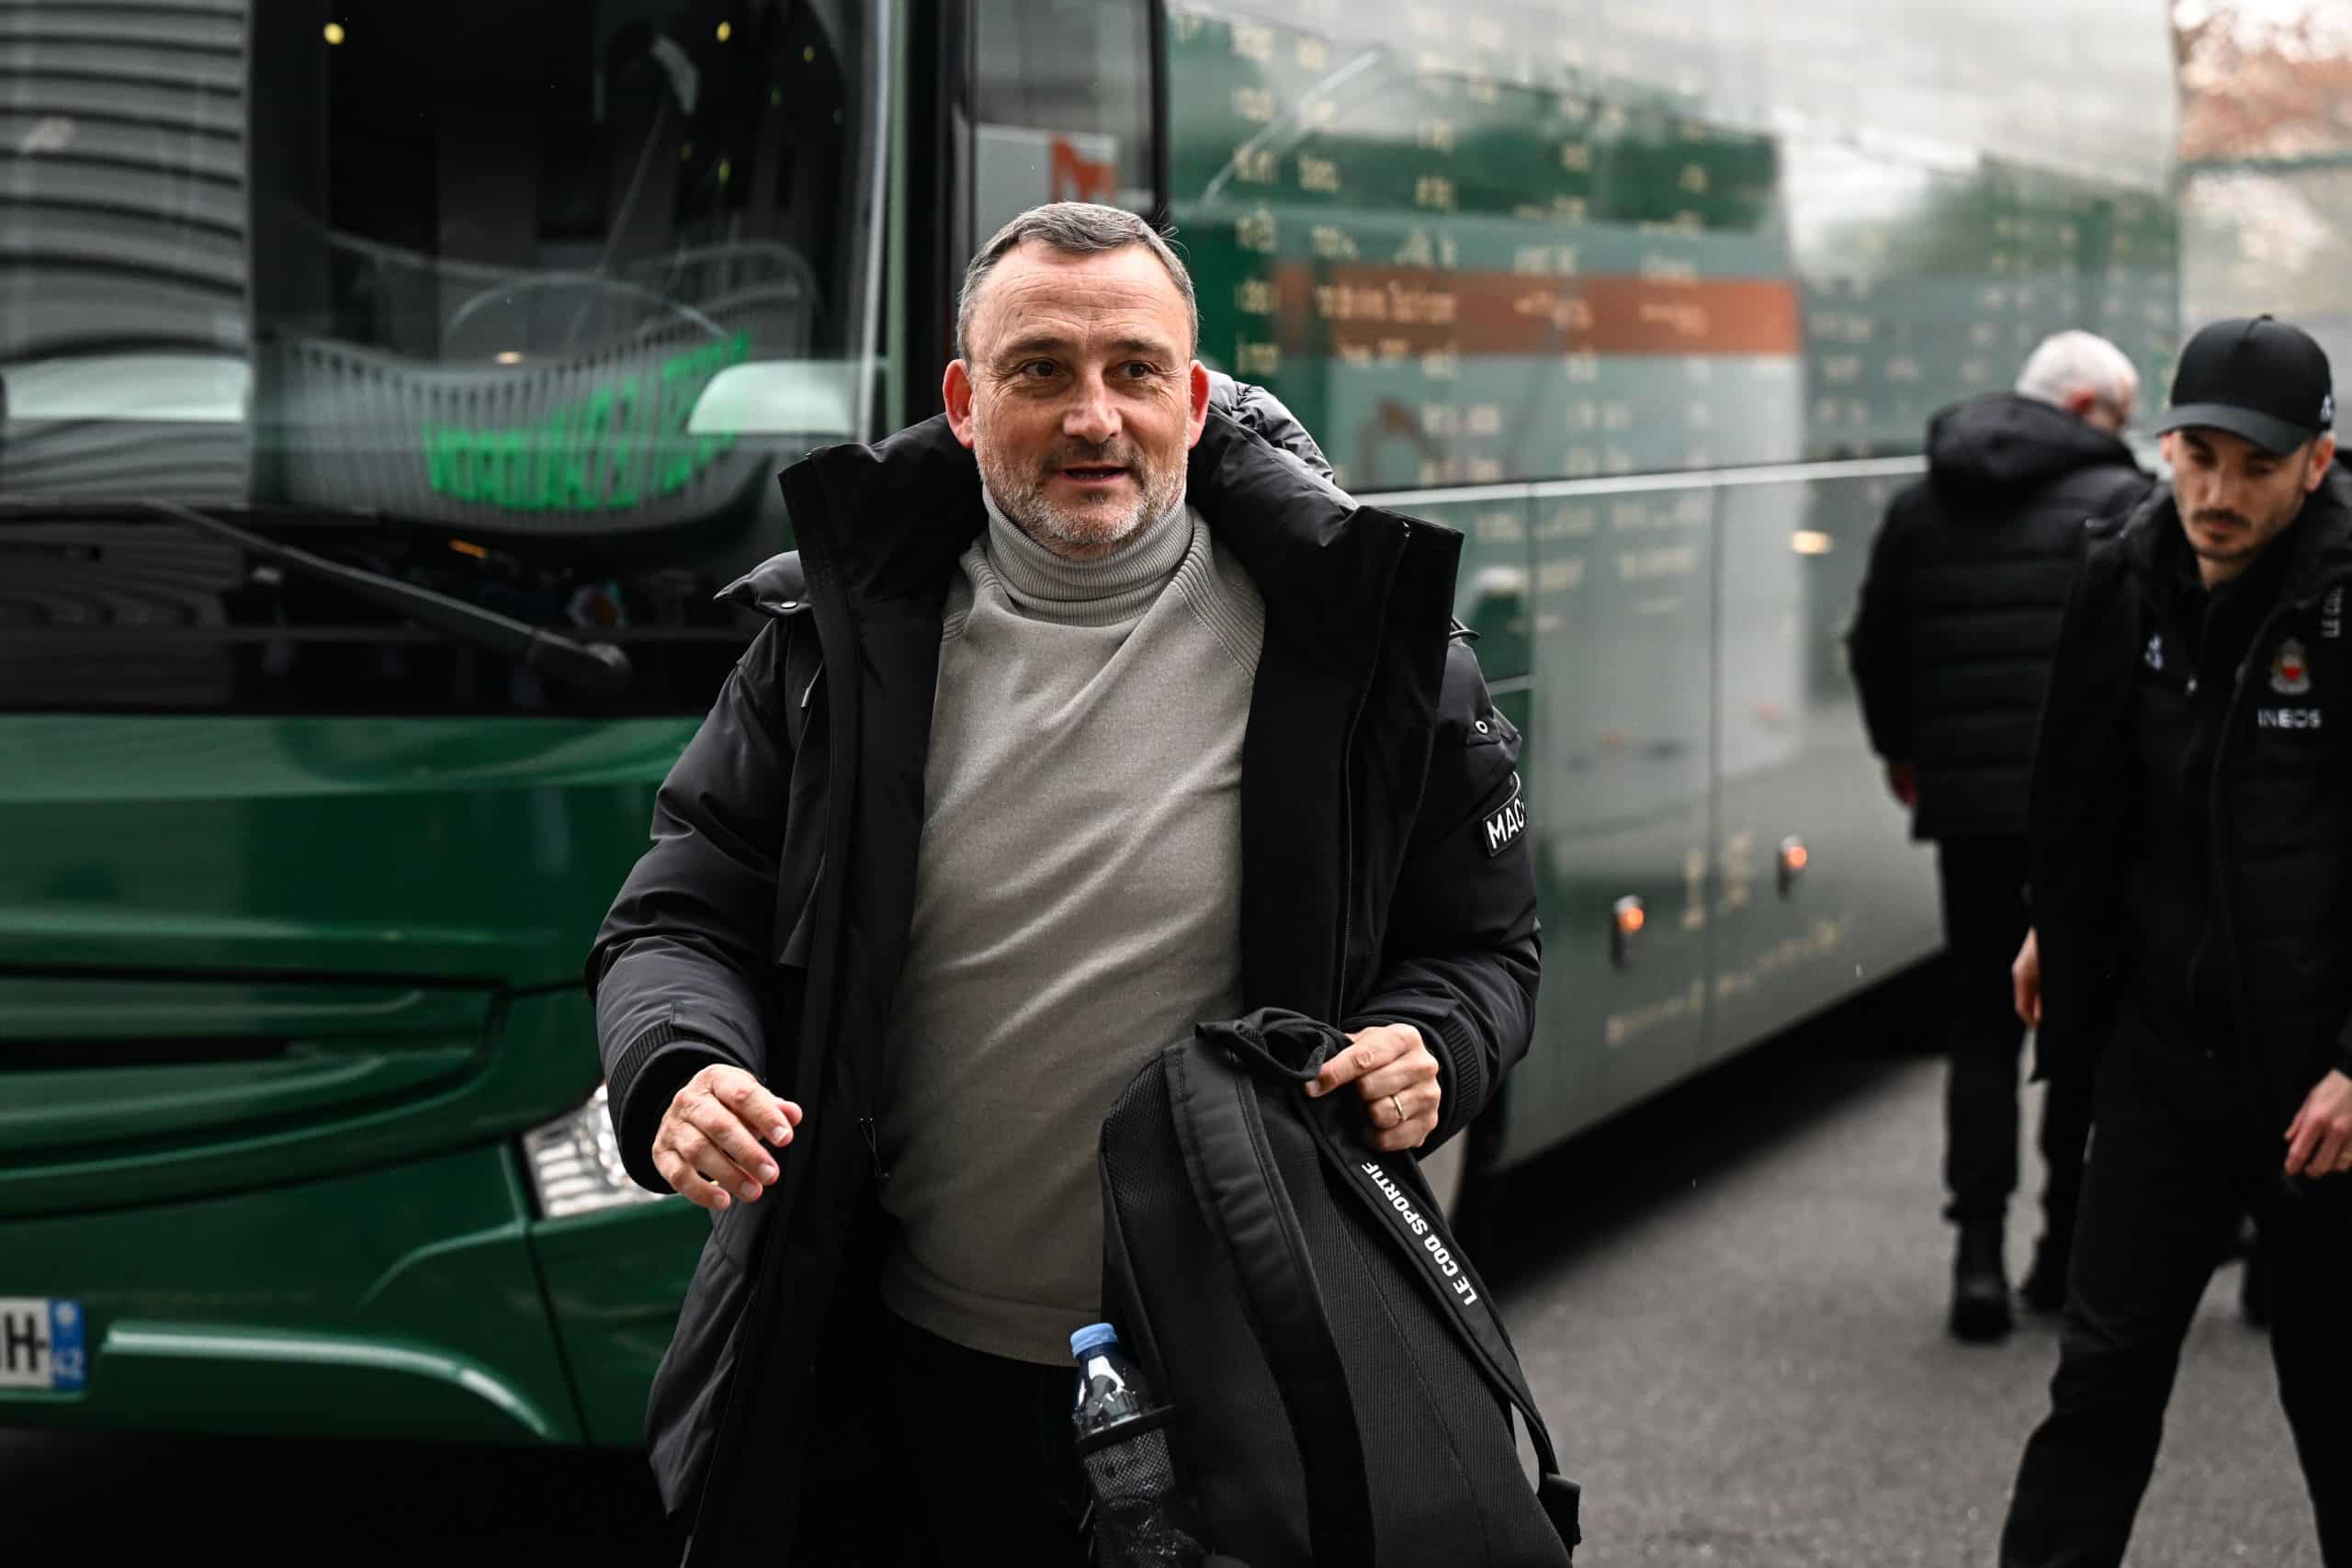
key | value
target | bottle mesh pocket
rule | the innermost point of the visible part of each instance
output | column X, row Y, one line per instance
column 1138, row 1517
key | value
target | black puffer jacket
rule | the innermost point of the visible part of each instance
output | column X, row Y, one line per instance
column 1385, row 864
column 2279, row 801
column 1960, row 610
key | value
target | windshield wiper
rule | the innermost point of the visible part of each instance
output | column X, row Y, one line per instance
column 597, row 666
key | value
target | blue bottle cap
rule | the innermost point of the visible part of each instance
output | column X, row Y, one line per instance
column 1094, row 1337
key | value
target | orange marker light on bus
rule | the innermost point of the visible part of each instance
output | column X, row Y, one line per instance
column 1794, row 858
column 1627, row 920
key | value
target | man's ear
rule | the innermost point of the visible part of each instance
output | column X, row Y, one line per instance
column 1197, row 416
column 2322, row 453
column 955, row 391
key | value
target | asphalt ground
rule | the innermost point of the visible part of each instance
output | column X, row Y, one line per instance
column 1730, row 1307
column 1730, row 1304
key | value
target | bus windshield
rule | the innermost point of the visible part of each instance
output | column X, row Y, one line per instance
column 521, row 301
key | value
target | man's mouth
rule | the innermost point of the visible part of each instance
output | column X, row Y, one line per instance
column 1094, row 473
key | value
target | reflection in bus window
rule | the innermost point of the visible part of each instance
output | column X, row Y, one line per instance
column 1063, row 98
column 526, row 301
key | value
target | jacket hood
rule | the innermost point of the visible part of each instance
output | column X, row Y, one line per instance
column 2005, row 442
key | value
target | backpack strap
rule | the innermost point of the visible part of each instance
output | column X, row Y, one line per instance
column 1123, row 1294
column 1222, row 1131
column 1289, row 1046
column 1420, row 1231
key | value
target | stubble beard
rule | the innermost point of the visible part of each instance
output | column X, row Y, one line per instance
column 2257, row 538
column 1021, row 493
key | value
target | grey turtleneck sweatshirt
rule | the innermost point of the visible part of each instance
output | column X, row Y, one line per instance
column 1077, row 906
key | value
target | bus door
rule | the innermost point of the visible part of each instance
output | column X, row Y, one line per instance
column 1011, row 105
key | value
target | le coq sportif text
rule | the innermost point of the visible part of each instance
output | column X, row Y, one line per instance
column 1421, row 1227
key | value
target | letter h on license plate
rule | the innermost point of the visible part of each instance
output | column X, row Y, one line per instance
column 41, row 1345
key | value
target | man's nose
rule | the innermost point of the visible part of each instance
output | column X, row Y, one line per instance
column 1092, row 416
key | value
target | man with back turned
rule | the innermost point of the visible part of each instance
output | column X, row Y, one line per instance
column 2191, row 859
column 1951, row 649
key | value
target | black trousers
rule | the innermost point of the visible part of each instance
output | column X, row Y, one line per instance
column 937, row 1456
column 998, row 1474
column 1985, row 923
column 2185, row 1146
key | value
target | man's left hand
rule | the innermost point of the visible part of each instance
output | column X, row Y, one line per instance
column 1397, row 1078
column 2319, row 1140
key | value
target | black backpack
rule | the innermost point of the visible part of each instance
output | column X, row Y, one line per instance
column 1341, row 1384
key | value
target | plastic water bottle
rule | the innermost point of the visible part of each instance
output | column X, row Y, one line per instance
column 1123, row 1445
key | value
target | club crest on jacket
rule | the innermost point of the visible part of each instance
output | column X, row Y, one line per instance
column 2290, row 671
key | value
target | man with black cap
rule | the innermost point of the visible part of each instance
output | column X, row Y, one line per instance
column 2191, row 863
column 1951, row 650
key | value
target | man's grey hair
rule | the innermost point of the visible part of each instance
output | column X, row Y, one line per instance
column 1077, row 228
column 2073, row 362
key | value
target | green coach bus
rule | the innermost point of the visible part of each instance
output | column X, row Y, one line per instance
column 391, row 384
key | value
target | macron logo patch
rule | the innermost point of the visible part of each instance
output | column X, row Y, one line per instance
column 1502, row 828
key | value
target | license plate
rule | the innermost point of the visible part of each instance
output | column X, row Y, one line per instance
column 40, row 1345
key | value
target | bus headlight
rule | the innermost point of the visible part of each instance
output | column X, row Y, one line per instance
column 575, row 1164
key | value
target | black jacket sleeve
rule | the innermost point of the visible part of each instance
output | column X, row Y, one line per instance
column 1878, row 649
column 1463, row 951
column 2082, row 803
column 676, row 970
column 2342, row 479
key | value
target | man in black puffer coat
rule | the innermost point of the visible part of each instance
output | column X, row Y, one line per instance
column 2191, row 867
column 1951, row 649
column 1086, row 711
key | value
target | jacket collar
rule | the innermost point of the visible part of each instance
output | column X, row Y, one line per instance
column 889, row 521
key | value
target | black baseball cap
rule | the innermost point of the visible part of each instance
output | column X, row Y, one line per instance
column 2255, row 377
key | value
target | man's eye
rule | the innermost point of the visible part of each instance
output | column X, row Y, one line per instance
column 1137, row 370
column 1038, row 369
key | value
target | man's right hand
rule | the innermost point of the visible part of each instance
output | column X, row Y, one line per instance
column 2024, row 980
column 709, row 1144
